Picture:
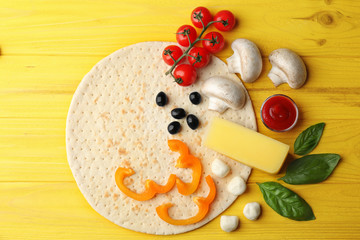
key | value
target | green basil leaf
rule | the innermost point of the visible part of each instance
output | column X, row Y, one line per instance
column 308, row 139
column 285, row 202
column 312, row 168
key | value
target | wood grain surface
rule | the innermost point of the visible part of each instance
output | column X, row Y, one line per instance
column 47, row 46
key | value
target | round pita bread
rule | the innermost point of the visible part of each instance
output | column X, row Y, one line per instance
column 114, row 121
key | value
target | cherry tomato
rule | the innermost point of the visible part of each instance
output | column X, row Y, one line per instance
column 215, row 43
column 185, row 75
column 171, row 52
column 227, row 20
column 203, row 13
column 199, row 57
column 182, row 35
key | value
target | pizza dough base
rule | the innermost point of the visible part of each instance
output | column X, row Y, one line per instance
column 113, row 121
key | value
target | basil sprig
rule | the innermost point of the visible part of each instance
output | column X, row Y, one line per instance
column 285, row 202
column 312, row 168
column 308, row 139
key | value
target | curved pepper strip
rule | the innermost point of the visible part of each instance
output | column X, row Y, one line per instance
column 189, row 188
column 186, row 160
column 202, row 203
column 151, row 188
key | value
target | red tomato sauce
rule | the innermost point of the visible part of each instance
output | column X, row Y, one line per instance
column 279, row 113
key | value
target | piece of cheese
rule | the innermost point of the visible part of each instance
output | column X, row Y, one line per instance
column 246, row 146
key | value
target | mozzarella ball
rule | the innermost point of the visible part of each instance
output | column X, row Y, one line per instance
column 219, row 168
column 252, row 211
column 229, row 223
column 236, row 186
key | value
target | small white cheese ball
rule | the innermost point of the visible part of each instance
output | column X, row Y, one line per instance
column 219, row 168
column 236, row 186
column 229, row 223
column 252, row 211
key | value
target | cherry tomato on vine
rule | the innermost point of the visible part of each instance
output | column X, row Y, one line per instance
column 171, row 52
column 182, row 35
column 199, row 57
column 227, row 20
column 215, row 42
column 200, row 13
column 185, row 75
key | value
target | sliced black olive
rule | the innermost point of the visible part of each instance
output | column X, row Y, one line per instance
column 195, row 98
column 161, row 99
column 192, row 121
column 174, row 127
column 178, row 113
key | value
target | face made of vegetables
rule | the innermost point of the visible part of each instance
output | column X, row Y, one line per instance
column 185, row 160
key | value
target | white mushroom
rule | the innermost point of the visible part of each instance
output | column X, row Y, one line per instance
column 246, row 60
column 287, row 67
column 252, row 211
column 223, row 93
column 219, row 168
column 229, row 223
column 236, row 186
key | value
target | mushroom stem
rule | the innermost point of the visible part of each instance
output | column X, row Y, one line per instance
column 234, row 64
column 277, row 76
column 217, row 104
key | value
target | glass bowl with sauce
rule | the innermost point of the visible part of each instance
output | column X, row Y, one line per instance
column 279, row 113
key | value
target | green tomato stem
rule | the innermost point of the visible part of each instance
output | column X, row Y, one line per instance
column 190, row 46
column 188, row 55
column 172, row 58
column 202, row 23
column 173, row 76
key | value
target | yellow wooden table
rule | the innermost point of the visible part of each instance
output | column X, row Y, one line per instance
column 47, row 46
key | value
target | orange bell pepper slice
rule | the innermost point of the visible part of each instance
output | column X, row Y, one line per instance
column 151, row 188
column 202, row 203
column 186, row 160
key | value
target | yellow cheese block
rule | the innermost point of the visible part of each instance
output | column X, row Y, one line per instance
column 246, row 146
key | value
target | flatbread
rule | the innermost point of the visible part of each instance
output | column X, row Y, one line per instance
column 114, row 121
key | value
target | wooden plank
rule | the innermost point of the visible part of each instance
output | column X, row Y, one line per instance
column 312, row 28
column 61, row 74
column 33, row 150
column 59, row 211
column 43, row 74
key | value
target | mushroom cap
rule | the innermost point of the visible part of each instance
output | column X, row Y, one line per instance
column 224, row 91
column 246, row 60
column 288, row 67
